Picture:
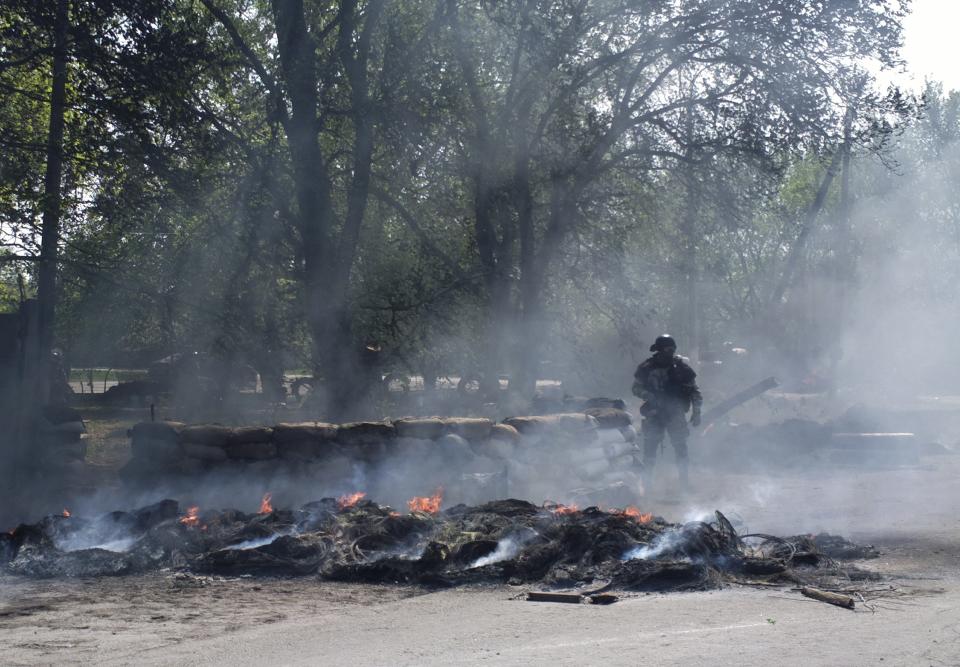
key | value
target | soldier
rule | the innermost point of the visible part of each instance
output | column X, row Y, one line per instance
column 668, row 387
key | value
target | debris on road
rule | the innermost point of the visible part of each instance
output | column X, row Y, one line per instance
column 844, row 601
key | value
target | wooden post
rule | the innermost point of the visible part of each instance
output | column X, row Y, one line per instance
column 844, row 601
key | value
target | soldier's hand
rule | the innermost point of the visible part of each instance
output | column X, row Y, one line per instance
column 695, row 418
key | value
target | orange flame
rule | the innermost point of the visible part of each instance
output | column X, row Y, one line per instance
column 557, row 508
column 265, row 506
column 350, row 499
column 66, row 512
column 192, row 517
column 430, row 505
column 634, row 513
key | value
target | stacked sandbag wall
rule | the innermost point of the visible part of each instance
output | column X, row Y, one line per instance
column 592, row 448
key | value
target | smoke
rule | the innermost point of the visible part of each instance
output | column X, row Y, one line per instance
column 258, row 542
column 507, row 547
column 90, row 540
column 665, row 542
column 890, row 327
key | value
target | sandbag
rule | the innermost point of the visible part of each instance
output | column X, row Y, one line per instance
column 372, row 452
column 307, row 450
column 610, row 418
column 610, row 435
column 365, row 433
column 298, row 450
column 495, row 449
column 471, row 428
column 570, row 422
column 427, row 428
column 251, row 434
column 583, row 403
column 623, row 462
column 604, row 402
column 584, row 455
column 504, row 433
column 203, row 452
column 615, row 449
column 304, row 431
column 155, row 449
column 258, row 451
column 205, row 434
column 591, row 469
column 267, row 469
column 157, row 430
column 454, row 446
column 412, row 448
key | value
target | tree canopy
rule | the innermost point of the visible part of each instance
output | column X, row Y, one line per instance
column 521, row 187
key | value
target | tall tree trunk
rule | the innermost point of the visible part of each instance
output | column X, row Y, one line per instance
column 810, row 219
column 844, row 255
column 483, row 159
column 531, row 310
column 313, row 189
column 50, row 231
column 533, row 278
column 343, row 355
column 495, row 280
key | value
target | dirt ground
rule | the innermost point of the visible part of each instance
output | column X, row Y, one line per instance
column 911, row 513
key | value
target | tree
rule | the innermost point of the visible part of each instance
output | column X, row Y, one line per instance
column 558, row 96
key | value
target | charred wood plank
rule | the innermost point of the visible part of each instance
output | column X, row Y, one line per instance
column 725, row 406
column 837, row 599
column 540, row 596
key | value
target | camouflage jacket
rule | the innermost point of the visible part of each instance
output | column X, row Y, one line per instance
column 670, row 387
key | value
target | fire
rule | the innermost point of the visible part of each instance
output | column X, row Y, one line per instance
column 557, row 508
column 633, row 512
column 430, row 505
column 66, row 512
column 192, row 517
column 265, row 506
column 350, row 499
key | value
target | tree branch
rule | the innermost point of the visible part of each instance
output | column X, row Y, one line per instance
column 268, row 80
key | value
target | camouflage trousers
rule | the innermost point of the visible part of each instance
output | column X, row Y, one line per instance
column 655, row 427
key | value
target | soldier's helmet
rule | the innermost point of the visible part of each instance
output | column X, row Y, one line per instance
column 663, row 342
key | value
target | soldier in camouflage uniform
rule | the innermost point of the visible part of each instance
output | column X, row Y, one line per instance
column 668, row 387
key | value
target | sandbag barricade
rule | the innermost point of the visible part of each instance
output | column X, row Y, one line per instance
column 596, row 446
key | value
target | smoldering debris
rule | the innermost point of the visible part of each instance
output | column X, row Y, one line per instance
column 355, row 539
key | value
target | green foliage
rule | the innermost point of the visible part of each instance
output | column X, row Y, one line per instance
column 547, row 180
